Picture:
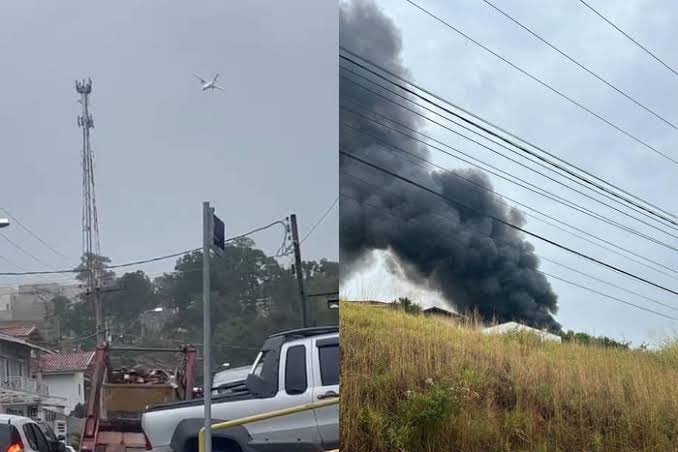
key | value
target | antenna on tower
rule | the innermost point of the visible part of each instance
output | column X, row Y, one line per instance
column 90, row 223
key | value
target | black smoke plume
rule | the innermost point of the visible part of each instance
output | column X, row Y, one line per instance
column 477, row 263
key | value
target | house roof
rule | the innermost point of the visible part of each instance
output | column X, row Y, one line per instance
column 19, row 340
column 18, row 330
column 371, row 302
column 66, row 362
column 515, row 326
column 442, row 311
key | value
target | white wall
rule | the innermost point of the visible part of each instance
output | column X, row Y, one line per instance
column 69, row 386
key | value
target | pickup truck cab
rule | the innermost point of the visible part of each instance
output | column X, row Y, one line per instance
column 293, row 368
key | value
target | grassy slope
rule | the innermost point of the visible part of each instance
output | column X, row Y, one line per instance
column 487, row 393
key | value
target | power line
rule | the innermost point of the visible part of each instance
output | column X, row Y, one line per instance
column 25, row 228
column 582, row 231
column 652, row 300
column 544, row 258
column 543, row 273
column 565, row 55
column 645, row 49
column 466, row 137
column 506, row 223
column 20, row 248
column 546, row 85
column 320, row 220
column 597, row 180
column 568, row 203
column 538, row 189
column 139, row 262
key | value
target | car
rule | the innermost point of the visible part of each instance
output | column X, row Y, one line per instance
column 293, row 368
column 22, row 434
column 49, row 432
column 225, row 380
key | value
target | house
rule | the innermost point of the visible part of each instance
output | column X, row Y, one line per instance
column 67, row 375
column 511, row 327
column 22, row 330
column 378, row 304
column 20, row 393
column 441, row 312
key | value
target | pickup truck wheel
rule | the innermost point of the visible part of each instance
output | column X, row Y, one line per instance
column 225, row 445
column 218, row 445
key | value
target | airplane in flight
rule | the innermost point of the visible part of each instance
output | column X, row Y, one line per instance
column 207, row 85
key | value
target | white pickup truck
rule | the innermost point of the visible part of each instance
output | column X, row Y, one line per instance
column 292, row 368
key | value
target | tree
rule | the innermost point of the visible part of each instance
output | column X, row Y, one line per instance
column 252, row 296
column 133, row 294
column 407, row 305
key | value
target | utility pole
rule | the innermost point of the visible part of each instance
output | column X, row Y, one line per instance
column 213, row 238
column 207, row 231
column 90, row 220
column 298, row 269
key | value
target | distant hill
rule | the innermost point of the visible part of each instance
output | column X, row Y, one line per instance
column 418, row 383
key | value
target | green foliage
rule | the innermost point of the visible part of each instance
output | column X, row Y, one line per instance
column 587, row 339
column 407, row 305
column 252, row 297
column 496, row 392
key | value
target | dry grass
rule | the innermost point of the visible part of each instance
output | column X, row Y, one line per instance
column 411, row 383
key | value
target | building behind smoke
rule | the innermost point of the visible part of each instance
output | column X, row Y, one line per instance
column 515, row 327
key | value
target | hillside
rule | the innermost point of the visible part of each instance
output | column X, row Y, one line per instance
column 412, row 383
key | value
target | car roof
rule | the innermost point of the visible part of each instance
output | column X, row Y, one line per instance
column 305, row 332
column 13, row 419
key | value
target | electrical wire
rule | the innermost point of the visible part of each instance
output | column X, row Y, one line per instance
column 581, row 66
column 507, row 223
column 645, row 49
column 536, row 189
column 558, row 163
column 362, row 202
column 140, row 262
column 546, row 85
column 320, row 220
column 537, row 212
column 447, row 217
column 34, row 235
column 514, row 151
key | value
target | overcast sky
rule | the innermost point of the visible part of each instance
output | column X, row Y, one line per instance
column 448, row 64
column 262, row 149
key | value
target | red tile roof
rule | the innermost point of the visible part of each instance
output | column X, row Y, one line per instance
column 18, row 330
column 66, row 362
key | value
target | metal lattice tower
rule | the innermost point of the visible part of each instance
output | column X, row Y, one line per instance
column 90, row 221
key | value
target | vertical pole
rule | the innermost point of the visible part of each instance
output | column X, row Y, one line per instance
column 206, row 320
column 297, row 268
column 101, row 327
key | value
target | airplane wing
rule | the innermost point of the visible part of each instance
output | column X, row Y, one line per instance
column 202, row 80
column 218, row 87
column 215, row 78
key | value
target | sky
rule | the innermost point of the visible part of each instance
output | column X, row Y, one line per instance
column 258, row 151
column 449, row 65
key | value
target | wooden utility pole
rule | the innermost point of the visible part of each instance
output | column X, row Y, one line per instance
column 297, row 268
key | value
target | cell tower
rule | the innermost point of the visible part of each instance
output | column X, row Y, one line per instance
column 90, row 221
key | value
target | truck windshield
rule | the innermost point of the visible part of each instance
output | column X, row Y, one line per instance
column 258, row 365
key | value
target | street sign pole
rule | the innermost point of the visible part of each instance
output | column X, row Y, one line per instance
column 297, row 269
column 206, row 320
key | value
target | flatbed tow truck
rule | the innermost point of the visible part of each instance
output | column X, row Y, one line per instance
column 113, row 416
